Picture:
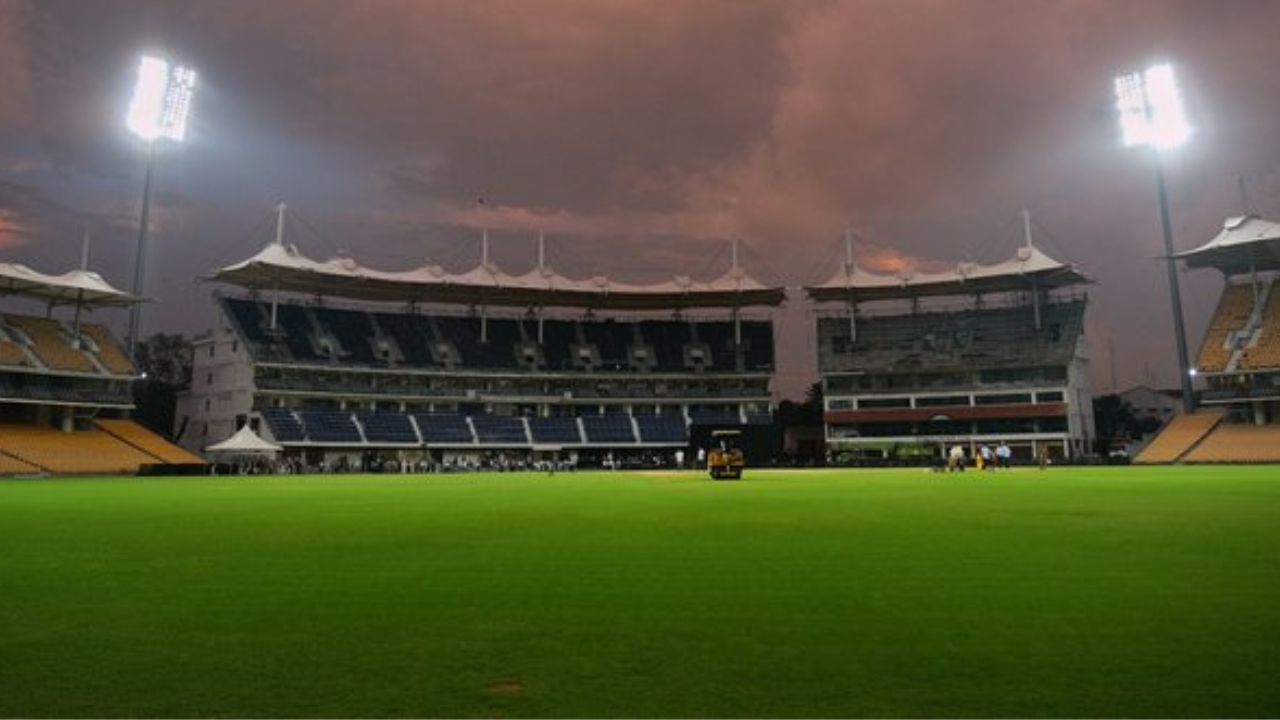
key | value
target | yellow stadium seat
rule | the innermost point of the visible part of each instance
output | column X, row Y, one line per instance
column 82, row 451
column 50, row 345
column 1232, row 314
column 109, row 352
column 1238, row 443
column 1179, row 436
column 147, row 441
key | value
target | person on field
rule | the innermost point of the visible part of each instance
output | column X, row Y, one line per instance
column 1003, row 453
column 984, row 458
column 955, row 461
column 680, row 459
column 1044, row 457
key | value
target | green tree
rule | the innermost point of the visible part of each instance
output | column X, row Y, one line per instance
column 164, row 362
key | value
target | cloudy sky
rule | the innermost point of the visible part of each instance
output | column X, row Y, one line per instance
column 641, row 136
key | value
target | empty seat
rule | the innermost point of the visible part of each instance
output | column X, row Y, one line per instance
column 444, row 428
column 147, row 441
column 662, row 428
column 608, row 429
column 109, row 352
column 499, row 429
column 388, row 427
column 555, row 430
column 50, row 344
column 1230, row 442
column 81, row 451
column 1179, row 436
column 329, row 426
column 284, row 425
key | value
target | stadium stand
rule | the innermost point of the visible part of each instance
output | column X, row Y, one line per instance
column 49, row 343
column 477, row 365
column 499, row 429
column 109, row 353
column 146, row 441
column 388, row 427
column 1179, row 436
column 1230, row 317
column 1238, row 443
column 10, row 465
column 662, row 429
column 1006, row 340
column 555, row 430
column 11, row 354
column 1264, row 353
column 445, row 428
column 329, row 426
column 608, row 429
column 284, row 425
column 301, row 333
column 77, row 452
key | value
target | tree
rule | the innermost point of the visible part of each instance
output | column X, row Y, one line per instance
column 1116, row 423
column 164, row 362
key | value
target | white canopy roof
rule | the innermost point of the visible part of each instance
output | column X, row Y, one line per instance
column 244, row 442
column 283, row 267
column 77, row 286
column 967, row 278
column 1245, row 243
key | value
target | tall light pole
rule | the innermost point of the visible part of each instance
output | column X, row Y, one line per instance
column 158, row 111
column 1151, row 116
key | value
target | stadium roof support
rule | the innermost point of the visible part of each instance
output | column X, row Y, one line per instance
column 1028, row 268
column 1246, row 244
column 282, row 267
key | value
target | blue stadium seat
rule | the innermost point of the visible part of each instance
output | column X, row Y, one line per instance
column 608, row 429
column 662, row 428
column 284, row 425
column 444, row 428
column 499, row 429
column 388, row 427
column 330, row 426
column 555, row 430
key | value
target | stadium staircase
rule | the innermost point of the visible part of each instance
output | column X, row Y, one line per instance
column 1179, row 437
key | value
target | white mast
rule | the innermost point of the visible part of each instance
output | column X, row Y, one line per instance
column 281, row 209
column 1035, row 284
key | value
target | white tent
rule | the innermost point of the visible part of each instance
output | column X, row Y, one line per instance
column 244, row 442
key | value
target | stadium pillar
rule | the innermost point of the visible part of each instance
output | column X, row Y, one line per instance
column 1175, row 295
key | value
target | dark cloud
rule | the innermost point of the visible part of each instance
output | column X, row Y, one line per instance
column 655, row 131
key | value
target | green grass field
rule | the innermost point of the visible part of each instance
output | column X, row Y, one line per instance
column 1076, row 592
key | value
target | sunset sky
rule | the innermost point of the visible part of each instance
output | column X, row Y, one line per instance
column 641, row 137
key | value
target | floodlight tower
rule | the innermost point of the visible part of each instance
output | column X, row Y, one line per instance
column 1151, row 116
column 158, row 111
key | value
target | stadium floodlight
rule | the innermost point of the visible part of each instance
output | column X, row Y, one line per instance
column 159, row 110
column 1151, row 116
column 1150, row 108
column 161, row 100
